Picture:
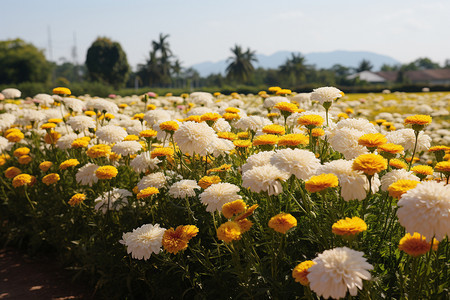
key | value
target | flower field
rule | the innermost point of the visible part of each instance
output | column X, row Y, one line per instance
column 276, row 195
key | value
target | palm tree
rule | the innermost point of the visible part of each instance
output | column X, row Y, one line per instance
column 240, row 67
column 294, row 69
column 364, row 65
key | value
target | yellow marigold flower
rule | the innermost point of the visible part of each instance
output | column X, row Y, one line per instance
column 206, row 181
column 235, row 95
column 283, row 92
column 248, row 212
column 15, row 136
column 349, row 226
column 12, row 172
column 282, row 222
column 52, row 137
column 139, row 116
column 320, row 182
column 69, row 163
column 233, row 208
column 244, row 225
column 232, row 110
column 300, row 272
column 21, row 151
column 148, row 133
column 274, row 129
column 77, row 199
column 89, row 113
column 82, row 142
column 169, row 126
column 227, row 135
column 3, row 159
column 99, row 150
column 50, row 178
column 286, row 106
column 109, row 116
column 293, row 140
column 397, row 164
column 222, row 168
column 439, row 148
column 418, row 120
column 243, row 135
column 408, row 159
column 443, row 167
column 380, row 121
column 372, row 140
column 416, row 244
column 342, row 116
column 162, row 152
column 131, row 137
column 398, row 188
column 388, row 125
column 194, row 118
column 370, row 163
column 274, row 89
column 242, row 143
column 106, row 172
column 229, row 231
column 349, row 110
column 262, row 93
column 422, row 170
column 23, row 179
column 123, row 105
column 151, row 107
column 273, row 115
column 316, row 132
column 176, row 240
column 265, row 139
column 25, row 159
column 390, row 148
column 230, row 116
column 310, row 120
column 61, row 91
column 48, row 126
column 147, row 192
column 45, row 165
column 210, row 117
column 55, row 120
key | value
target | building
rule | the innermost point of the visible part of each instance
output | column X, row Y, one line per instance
column 429, row 77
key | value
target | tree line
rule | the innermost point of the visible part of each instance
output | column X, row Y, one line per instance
column 107, row 63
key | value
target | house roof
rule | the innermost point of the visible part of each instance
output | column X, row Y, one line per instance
column 418, row 76
column 367, row 76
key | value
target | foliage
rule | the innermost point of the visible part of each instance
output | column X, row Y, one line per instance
column 240, row 66
column 107, row 62
column 22, row 62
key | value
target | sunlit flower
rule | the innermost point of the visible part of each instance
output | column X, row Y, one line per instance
column 390, row 148
column 301, row 272
column 233, row 208
column 100, row 150
column 114, row 199
column 82, row 142
column 50, row 178
column 229, row 231
column 443, row 167
column 286, row 107
column 274, row 129
column 397, row 164
column 321, row 182
column 301, row 163
column 126, row 148
column 184, row 188
column 206, row 181
column 326, row 94
column 215, row 196
column 266, row 178
column 111, row 134
column 164, row 152
column 422, row 170
column 147, row 192
column 337, row 270
column 106, row 172
column 372, row 140
column 77, row 199
column 418, row 120
column 69, row 163
column 86, row 174
column 265, row 139
column 396, row 175
column 148, row 133
column 282, row 222
column 310, row 121
column 169, row 126
column 349, row 226
column 176, row 240
column 370, row 164
column 143, row 241
column 143, row 162
column 23, row 179
column 12, row 172
column 293, row 140
column 15, row 136
column 416, row 244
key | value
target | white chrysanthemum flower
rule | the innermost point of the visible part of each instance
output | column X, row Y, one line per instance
column 157, row 116
column 301, row 163
column 183, row 189
column 201, row 98
column 362, row 125
column 126, row 148
column 73, row 104
column 221, row 146
column 236, row 103
column 11, row 93
column 86, row 174
column 103, row 105
column 143, row 241
column 81, row 123
column 5, row 145
column 256, row 160
column 31, row 115
column 253, row 123
column 272, row 101
column 303, row 100
column 44, row 99
column 407, row 139
column 111, row 134
column 337, row 270
column 221, row 126
column 112, row 200
column 6, row 121
column 394, row 176
column 55, row 113
column 215, row 196
column 265, row 179
column 175, row 100
column 195, row 138
column 354, row 184
column 200, row 110
column 345, row 141
column 326, row 94
column 157, row 180
column 65, row 142
column 144, row 162
column 426, row 209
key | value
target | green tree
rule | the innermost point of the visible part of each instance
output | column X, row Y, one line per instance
column 240, row 67
column 294, row 69
column 22, row 62
column 107, row 62
column 422, row 63
column 364, row 65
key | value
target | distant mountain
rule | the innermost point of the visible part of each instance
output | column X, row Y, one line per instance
column 319, row 59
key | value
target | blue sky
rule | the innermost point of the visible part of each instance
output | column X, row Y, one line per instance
column 202, row 30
